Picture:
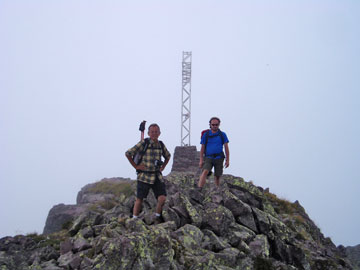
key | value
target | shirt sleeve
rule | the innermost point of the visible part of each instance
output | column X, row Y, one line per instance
column 226, row 140
column 133, row 150
column 166, row 153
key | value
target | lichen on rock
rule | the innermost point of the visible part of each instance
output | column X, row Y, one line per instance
column 236, row 226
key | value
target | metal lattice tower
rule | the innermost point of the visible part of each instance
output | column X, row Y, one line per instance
column 186, row 99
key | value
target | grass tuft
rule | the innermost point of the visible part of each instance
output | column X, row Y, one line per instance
column 112, row 188
column 283, row 206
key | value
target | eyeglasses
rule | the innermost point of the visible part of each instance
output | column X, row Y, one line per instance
column 214, row 125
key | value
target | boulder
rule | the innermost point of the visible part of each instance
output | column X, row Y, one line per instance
column 61, row 216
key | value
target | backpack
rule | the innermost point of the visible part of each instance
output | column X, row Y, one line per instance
column 206, row 133
column 139, row 155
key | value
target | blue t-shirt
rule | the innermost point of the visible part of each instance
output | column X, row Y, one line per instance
column 214, row 144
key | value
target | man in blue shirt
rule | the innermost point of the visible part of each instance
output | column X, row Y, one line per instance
column 211, row 153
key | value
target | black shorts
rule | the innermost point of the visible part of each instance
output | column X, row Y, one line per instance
column 143, row 189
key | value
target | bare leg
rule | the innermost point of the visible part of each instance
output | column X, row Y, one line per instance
column 160, row 204
column 137, row 206
column 217, row 181
column 142, row 136
column 202, row 180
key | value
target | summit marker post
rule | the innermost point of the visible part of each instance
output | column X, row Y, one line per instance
column 186, row 99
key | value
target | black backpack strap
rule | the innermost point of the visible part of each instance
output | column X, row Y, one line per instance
column 222, row 136
column 162, row 147
column 206, row 140
column 146, row 145
column 142, row 152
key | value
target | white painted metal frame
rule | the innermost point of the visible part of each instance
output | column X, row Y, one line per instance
column 186, row 99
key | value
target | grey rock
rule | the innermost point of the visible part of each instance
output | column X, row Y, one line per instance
column 228, row 257
column 218, row 218
column 238, row 233
column 69, row 261
column 189, row 236
column 66, row 246
column 170, row 214
column 87, row 232
column 61, row 214
column 236, row 226
column 260, row 246
column 262, row 220
column 88, row 194
column 241, row 211
column 213, row 243
column 50, row 265
column 88, row 218
column 86, row 264
column 353, row 253
column 81, row 244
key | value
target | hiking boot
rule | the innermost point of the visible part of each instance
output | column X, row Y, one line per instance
column 200, row 189
column 158, row 220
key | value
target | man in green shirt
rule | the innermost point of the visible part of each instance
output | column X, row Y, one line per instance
column 149, row 169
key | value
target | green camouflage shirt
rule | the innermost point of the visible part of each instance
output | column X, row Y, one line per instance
column 153, row 152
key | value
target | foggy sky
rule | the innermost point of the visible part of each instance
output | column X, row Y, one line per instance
column 77, row 78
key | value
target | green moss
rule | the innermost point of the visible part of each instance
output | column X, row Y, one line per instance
column 91, row 252
column 96, row 207
column 324, row 265
column 112, row 188
column 240, row 182
column 189, row 242
column 35, row 267
column 301, row 235
column 263, row 264
column 53, row 240
column 102, row 206
column 36, row 237
column 67, row 225
column 194, row 215
column 108, row 204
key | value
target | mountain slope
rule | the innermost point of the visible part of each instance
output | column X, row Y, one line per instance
column 237, row 226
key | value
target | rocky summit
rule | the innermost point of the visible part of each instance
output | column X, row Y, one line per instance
column 236, row 226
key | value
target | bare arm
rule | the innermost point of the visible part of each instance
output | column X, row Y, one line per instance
column 202, row 150
column 227, row 153
column 166, row 161
column 137, row 167
column 142, row 136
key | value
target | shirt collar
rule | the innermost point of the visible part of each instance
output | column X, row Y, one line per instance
column 151, row 141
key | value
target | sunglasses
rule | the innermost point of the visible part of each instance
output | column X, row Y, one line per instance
column 214, row 125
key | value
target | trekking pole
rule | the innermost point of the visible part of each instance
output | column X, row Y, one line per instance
column 142, row 129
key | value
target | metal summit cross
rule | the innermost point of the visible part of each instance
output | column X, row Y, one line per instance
column 186, row 99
